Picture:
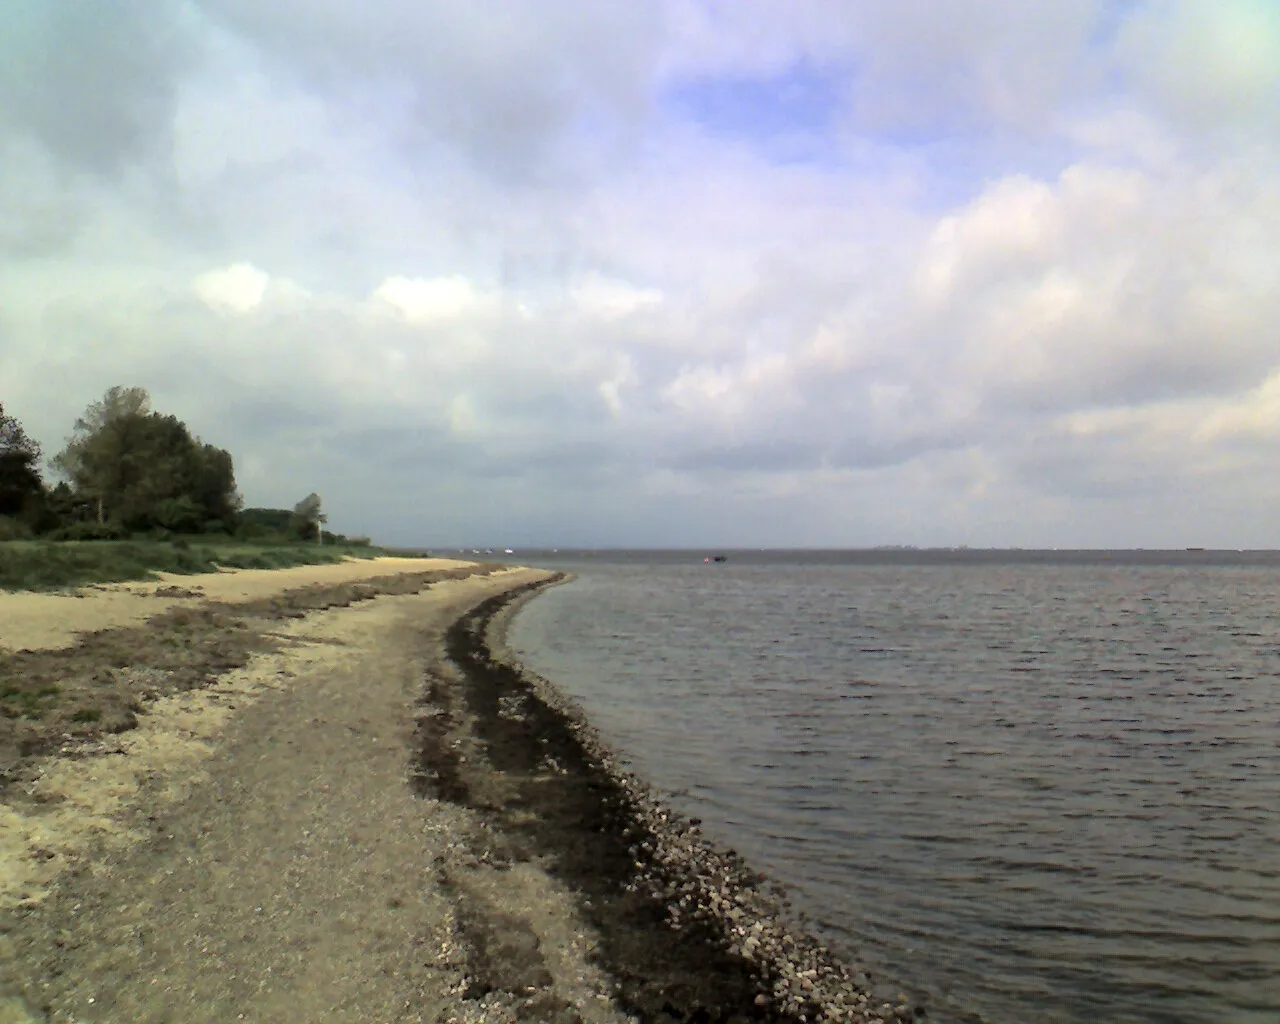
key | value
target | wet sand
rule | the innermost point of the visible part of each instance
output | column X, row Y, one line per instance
column 343, row 803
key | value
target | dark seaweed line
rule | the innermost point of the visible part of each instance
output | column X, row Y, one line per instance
column 686, row 930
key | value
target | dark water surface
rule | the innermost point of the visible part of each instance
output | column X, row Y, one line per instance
column 1025, row 790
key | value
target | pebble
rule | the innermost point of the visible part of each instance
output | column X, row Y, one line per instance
column 696, row 881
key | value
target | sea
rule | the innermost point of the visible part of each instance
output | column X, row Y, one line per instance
column 1012, row 786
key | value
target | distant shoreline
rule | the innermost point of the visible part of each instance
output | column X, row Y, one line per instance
column 898, row 556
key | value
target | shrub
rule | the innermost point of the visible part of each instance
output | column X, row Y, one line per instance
column 90, row 531
column 189, row 559
column 40, row 563
column 13, row 529
column 181, row 515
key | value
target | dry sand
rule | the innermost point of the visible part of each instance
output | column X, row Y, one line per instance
column 253, row 849
column 40, row 621
column 73, row 804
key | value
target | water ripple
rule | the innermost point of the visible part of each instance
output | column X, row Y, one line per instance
column 1028, row 792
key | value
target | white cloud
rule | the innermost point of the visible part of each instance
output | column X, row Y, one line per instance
column 1033, row 265
column 1108, row 286
column 609, row 299
column 1253, row 418
column 611, row 389
column 429, row 300
column 238, row 288
column 1015, row 226
column 463, row 418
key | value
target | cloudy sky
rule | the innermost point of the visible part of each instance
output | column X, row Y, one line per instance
column 666, row 272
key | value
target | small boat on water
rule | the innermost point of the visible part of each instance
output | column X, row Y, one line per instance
column 715, row 558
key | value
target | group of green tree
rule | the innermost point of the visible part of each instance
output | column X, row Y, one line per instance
column 127, row 470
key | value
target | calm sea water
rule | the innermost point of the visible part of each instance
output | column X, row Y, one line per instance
column 1035, row 790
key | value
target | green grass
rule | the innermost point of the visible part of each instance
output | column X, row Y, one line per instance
column 18, row 703
column 45, row 565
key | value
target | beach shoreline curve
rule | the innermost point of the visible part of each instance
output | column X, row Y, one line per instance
column 710, row 902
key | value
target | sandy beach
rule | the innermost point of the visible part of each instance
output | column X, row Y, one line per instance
column 330, row 794
column 41, row 621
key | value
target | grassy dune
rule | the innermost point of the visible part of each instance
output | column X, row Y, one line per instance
column 42, row 565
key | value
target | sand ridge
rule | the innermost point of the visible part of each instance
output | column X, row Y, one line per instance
column 50, row 621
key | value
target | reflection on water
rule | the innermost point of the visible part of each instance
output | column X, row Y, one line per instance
column 1027, row 792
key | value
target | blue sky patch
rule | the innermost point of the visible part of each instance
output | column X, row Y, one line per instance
column 792, row 113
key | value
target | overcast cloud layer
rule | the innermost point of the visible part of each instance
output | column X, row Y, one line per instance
column 681, row 272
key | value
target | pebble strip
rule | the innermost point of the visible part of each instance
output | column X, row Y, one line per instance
column 702, row 886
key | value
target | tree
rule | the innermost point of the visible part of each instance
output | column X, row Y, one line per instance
column 99, row 447
column 142, row 469
column 308, row 519
column 64, row 504
column 21, row 489
column 213, row 484
column 263, row 522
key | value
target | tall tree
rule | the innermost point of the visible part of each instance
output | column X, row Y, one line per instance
column 99, row 448
column 309, row 519
column 20, row 483
column 153, row 475
column 213, row 483
column 144, row 469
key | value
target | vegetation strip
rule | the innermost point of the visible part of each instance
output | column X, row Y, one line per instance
column 138, row 493
column 44, row 565
column 684, row 929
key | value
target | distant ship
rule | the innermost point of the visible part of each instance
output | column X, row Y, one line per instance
column 716, row 558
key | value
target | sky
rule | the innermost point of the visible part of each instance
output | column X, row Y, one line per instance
column 666, row 273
